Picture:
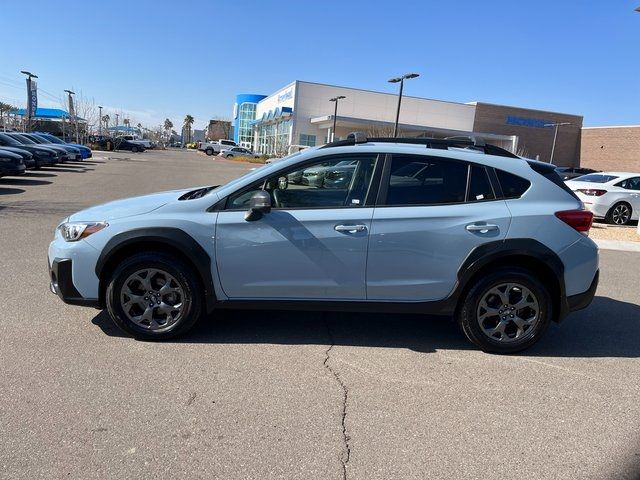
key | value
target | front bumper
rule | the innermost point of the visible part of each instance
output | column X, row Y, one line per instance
column 61, row 283
column 12, row 170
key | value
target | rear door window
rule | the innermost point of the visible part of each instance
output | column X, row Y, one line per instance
column 422, row 180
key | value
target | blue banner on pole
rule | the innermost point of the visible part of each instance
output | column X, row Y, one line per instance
column 32, row 98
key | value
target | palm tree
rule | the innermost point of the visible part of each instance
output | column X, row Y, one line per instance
column 127, row 122
column 5, row 107
column 105, row 119
column 168, row 125
column 188, row 121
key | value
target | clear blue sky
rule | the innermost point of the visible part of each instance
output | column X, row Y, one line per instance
column 157, row 59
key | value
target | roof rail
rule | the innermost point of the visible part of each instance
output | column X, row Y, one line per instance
column 470, row 142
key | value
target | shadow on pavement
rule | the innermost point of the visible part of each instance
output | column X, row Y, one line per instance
column 61, row 169
column 608, row 328
column 23, row 181
column 39, row 174
column 10, row 191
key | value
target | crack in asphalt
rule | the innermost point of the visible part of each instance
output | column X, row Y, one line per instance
column 346, row 453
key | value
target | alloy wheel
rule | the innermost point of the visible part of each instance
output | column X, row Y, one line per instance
column 621, row 214
column 508, row 312
column 152, row 299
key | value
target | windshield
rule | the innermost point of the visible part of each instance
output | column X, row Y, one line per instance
column 9, row 140
column 24, row 140
column 51, row 138
column 241, row 178
column 595, row 178
column 37, row 139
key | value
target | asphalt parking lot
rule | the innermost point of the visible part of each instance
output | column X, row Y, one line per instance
column 292, row 394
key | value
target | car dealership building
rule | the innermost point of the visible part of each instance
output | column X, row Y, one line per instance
column 300, row 113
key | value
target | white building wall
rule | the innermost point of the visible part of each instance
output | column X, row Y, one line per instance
column 313, row 101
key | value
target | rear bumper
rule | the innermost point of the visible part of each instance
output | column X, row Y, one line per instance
column 583, row 300
column 61, row 283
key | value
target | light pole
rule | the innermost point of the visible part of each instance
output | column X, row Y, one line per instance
column 72, row 113
column 555, row 135
column 117, row 117
column 30, row 97
column 100, row 121
column 335, row 114
column 401, row 79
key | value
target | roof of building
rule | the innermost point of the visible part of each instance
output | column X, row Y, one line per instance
column 46, row 113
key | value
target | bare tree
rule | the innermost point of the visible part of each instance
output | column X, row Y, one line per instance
column 379, row 130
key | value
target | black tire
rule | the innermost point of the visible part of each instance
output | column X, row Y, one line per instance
column 467, row 315
column 184, row 276
column 613, row 215
column 209, row 151
column 230, row 155
column 134, row 149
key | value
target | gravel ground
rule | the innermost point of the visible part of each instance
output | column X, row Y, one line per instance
column 601, row 231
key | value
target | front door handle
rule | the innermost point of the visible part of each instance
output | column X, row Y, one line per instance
column 481, row 227
column 350, row 228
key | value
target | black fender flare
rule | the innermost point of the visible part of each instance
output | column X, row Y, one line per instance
column 492, row 252
column 171, row 237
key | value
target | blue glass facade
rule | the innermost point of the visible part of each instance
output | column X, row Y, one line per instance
column 244, row 113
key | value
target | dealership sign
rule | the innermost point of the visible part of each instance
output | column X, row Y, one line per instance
column 32, row 97
column 527, row 122
column 285, row 96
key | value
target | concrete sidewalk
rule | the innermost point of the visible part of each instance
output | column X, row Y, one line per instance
column 619, row 245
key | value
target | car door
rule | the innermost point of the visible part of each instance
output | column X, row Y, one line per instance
column 313, row 243
column 632, row 185
column 431, row 213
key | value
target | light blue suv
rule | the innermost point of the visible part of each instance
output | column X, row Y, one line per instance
column 448, row 227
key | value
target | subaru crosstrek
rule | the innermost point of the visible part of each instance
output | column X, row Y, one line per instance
column 448, row 227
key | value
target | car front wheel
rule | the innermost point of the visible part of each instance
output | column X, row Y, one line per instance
column 209, row 151
column 134, row 149
column 505, row 311
column 153, row 296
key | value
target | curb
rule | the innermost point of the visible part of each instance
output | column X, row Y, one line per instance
column 618, row 245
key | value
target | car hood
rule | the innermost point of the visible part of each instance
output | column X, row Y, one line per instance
column 127, row 207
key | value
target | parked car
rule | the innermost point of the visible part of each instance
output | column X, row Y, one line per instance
column 85, row 151
column 11, row 164
column 496, row 241
column 614, row 196
column 214, row 148
column 118, row 143
column 42, row 155
column 63, row 154
column 72, row 153
column 567, row 173
column 27, row 157
column 237, row 152
column 147, row 144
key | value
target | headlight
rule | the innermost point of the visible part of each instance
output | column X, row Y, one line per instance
column 74, row 231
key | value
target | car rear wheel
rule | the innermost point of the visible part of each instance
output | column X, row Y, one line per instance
column 505, row 311
column 619, row 214
column 154, row 296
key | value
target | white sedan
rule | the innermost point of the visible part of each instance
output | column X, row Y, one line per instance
column 237, row 152
column 614, row 196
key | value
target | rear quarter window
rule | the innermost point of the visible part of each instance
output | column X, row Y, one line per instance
column 512, row 185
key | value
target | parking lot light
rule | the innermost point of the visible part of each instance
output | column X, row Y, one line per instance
column 401, row 79
column 335, row 114
column 555, row 135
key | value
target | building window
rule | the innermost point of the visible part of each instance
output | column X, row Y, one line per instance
column 307, row 140
column 246, row 115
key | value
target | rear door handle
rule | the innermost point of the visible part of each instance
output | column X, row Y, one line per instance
column 350, row 228
column 481, row 228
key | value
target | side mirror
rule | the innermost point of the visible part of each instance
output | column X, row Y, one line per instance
column 259, row 205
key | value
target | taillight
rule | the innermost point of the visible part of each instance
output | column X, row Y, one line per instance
column 579, row 220
column 592, row 192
